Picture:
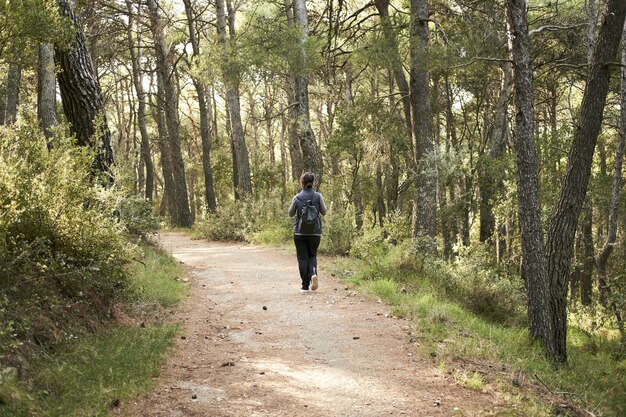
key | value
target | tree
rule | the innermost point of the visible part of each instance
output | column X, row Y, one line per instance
column 145, row 182
column 311, row 154
column 46, row 90
column 81, row 95
column 534, row 267
column 547, row 270
column 181, row 215
column 241, row 159
column 425, row 198
column 204, row 106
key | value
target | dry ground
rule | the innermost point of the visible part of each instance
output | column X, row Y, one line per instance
column 253, row 345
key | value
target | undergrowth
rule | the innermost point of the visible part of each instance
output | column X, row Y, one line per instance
column 455, row 333
column 90, row 374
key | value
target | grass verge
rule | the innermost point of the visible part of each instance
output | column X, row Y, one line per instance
column 91, row 374
column 482, row 355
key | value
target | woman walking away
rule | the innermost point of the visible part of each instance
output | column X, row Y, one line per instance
column 307, row 206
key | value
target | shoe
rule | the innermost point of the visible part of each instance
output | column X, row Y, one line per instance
column 314, row 282
column 304, row 290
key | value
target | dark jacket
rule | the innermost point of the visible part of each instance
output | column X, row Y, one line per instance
column 298, row 203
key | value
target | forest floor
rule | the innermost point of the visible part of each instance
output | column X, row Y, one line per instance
column 253, row 345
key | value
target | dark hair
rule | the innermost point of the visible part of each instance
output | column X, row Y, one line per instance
column 307, row 179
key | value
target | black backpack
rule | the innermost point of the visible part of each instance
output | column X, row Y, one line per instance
column 308, row 218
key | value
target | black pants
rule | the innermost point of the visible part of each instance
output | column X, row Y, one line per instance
column 306, row 249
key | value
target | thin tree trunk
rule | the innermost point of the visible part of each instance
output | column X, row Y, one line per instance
column 169, row 195
column 396, row 63
column 587, row 255
column 529, row 208
column 491, row 182
column 205, row 109
column 47, row 91
column 14, row 81
column 311, row 154
column 165, row 72
column 611, row 237
column 564, row 220
column 231, row 80
column 146, row 156
column 425, row 197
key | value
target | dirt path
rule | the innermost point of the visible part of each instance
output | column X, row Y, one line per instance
column 253, row 345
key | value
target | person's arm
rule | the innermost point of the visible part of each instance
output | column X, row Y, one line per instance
column 292, row 208
column 323, row 208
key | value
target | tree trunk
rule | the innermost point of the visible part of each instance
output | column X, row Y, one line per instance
column 14, row 81
column 529, row 208
column 165, row 73
column 204, row 106
column 311, row 154
column 564, row 220
column 146, row 156
column 611, row 238
column 169, row 195
column 81, row 95
column 396, row 63
column 587, row 255
column 241, row 162
column 425, row 197
column 46, row 91
column 491, row 181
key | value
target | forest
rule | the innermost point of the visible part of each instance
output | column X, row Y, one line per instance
column 481, row 142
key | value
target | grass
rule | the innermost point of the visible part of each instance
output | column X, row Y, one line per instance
column 594, row 380
column 91, row 374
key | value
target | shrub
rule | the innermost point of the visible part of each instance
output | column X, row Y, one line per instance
column 62, row 249
column 338, row 232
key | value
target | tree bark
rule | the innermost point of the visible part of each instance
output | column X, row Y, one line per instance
column 529, row 208
column 311, row 154
column 46, row 91
column 147, row 185
column 205, row 109
column 425, row 197
column 165, row 73
column 81, row 95
column 14, row 81
column 564, row 220
column 241, row 160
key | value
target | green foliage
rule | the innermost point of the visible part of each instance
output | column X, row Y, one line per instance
column 338, row 232
column 90, row 375
column 154, row 281
column 245, row 221
column 63, row 241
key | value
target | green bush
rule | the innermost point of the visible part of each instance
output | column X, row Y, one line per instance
column 62, row 248
column 338, row 232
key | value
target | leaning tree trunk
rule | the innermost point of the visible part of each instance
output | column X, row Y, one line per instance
column 425, row 197
column 46, row 91
column 204, row 106
column 146, row 156
column 14, row 81
column 81, row 95
column 559, row 245
column 311, row 153
column 165, row 72
column 241, row 159
column 529, row 208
